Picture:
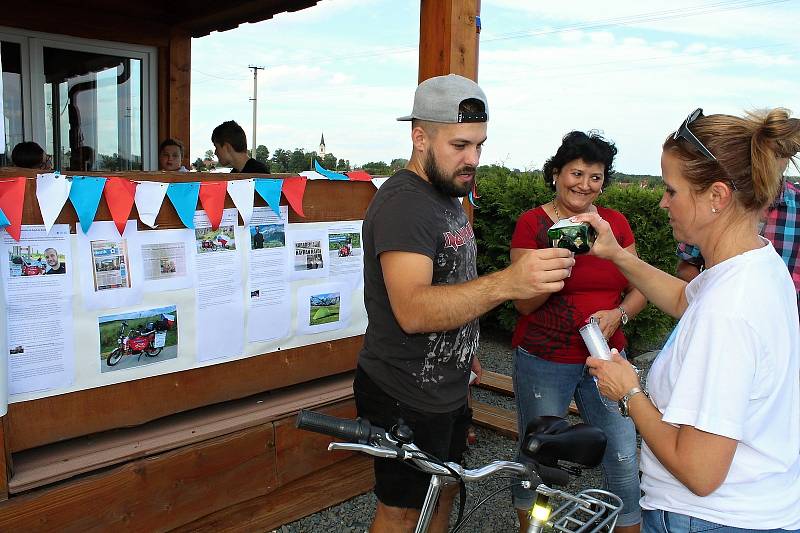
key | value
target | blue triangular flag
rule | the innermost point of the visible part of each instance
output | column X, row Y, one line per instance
column 472, row 200
column 184, row 199
column 270, row 191
column 328, row 174
column 85, row 195
column 4, row 219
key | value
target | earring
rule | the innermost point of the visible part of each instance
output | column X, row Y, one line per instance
column 714, row 210
column 554, row 181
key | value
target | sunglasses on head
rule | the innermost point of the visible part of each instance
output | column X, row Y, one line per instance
column 686, row 134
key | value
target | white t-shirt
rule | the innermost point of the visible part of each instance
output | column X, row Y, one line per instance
column 732, row 367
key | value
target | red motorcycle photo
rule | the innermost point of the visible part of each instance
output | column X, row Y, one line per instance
column 149, row 342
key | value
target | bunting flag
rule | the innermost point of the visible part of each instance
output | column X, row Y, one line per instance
column 312, row 175
column 85, row 196
column 475, row 189
column 120, row 194
column 212, row 198
column 358, row 175
column 52, row 191
column 270, row 191
column 294, row 189
column 4, row 220
column 242, row 192
column 184, row 199
column 377, row 182
column 329, row 174
column 149, row 197
column 12, row 196
column 472, row 200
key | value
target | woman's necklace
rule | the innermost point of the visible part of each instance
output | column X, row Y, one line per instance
column 555, row 209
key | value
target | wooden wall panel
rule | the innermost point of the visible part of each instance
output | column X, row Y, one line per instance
column 158, row 493
column 326, row 487
column 300, row 453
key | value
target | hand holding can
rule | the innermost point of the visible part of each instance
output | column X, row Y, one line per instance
column 595, row 341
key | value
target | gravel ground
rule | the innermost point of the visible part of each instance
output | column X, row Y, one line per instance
column 355, row 514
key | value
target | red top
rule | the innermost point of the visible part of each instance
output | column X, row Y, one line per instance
column 551, row 331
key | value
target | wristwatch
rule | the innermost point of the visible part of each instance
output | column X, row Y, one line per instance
column 623, row 402
column 625, row 316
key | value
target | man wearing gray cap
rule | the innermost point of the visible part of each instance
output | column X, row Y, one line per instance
column 423, row 295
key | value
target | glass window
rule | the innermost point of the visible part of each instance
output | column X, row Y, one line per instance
column 11, row 112
column 93, row 110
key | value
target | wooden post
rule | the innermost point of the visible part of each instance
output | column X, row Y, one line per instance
column 448, row 38
column 448, row 43
column 174, row 84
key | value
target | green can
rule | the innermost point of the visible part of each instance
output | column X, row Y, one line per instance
column 575, row 236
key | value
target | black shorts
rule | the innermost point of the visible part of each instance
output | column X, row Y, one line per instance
column 443, row 435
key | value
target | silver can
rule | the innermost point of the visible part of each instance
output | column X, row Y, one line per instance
column 593, row 338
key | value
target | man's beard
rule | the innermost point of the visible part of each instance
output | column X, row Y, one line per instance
column 447, row 184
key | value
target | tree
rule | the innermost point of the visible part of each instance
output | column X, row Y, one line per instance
column 377, row 168
column 210, row 154
column 329, row 162
column 199, row 165
column 262, row 154
column 398, row 164
column 280, row 160
column 343, row 165
column 299, row 160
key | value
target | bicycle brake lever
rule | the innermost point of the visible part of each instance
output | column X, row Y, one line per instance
column 363, row 448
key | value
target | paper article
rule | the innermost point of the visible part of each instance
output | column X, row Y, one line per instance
column 220, row 310
column 37, row 274
column 346, row 253
column 308, row 254
column 268, row 284
column 167, row 259
column 110, row 277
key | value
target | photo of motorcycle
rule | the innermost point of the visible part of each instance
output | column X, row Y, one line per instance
column 149, row 342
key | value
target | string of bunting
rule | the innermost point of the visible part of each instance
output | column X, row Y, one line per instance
column 121, row 194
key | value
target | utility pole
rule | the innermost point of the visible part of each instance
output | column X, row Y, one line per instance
column 254, row 99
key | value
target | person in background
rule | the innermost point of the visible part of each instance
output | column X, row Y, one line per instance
column 549, row 358
column 423, row 296
column 29, row 154
column 780, row 226
column 720, row 416
column 230, row 147
column 170, row 155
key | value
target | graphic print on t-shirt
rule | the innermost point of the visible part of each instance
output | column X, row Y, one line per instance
column 455, row 263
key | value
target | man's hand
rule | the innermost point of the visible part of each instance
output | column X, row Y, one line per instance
column 609, row 321
column 537, row 272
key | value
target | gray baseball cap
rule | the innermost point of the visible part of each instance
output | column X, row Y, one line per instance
column 437, row 100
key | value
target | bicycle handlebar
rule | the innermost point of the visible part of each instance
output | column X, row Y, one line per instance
column 358, row 430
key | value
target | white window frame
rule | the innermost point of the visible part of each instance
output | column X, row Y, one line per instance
column 32, row 47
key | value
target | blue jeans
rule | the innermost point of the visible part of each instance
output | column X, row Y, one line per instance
column 545, row 388
column 668, row 522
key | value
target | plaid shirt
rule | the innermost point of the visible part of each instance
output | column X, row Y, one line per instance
column 782, row 228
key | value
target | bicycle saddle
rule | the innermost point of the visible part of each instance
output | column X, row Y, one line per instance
column 549, row 439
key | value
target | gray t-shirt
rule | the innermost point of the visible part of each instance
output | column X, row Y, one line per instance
column 427, row 371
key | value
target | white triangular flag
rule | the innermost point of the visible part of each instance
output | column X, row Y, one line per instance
column 311, row 175
column 52, row 191
column 377, row 182
column 242, row 192
column 149, row 197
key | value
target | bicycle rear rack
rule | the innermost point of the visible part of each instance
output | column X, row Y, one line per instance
column 591, row 508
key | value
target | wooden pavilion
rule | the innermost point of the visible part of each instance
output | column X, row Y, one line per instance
column 211, row 448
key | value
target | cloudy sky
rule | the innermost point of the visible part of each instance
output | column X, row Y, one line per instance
column 632, row 69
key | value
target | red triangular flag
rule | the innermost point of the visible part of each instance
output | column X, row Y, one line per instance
column 12, row 196
column 119, row 193
column 358, row 175
column 294, row 189
column 212, row 198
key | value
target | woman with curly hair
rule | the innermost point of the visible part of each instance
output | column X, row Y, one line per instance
column 549, row 357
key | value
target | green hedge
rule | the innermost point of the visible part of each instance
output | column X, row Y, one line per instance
column 505, row 194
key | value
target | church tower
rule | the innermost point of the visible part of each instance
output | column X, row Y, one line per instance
column 321, row 152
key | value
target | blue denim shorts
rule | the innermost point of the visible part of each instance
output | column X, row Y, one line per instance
column 658, row 521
